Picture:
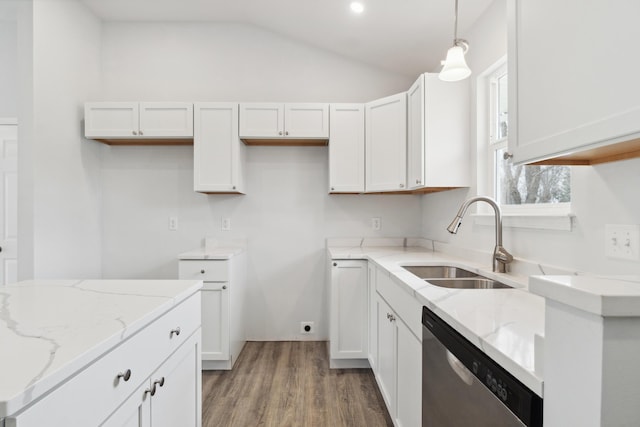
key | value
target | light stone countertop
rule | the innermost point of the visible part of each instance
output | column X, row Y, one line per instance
column 214, row 253
column 501, row 322
column 50, row 329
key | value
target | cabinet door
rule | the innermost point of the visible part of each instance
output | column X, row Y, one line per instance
column 582, row 95
column 386, row 144
column 111, row 119
column 373, row 319
column 218, row 153
column 166, row 119
column 261, row 120
column 134, row 412
column 306, row 121
column 387, row 346
column 349, row 310
column 215, row 321
column 415, row 134
column 409, row 398
column 438, row 133
column 346, row 148
column 177, row 402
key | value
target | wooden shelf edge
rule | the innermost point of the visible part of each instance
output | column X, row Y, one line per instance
column 286, row 142
column 610, row 153
column 145, row 142
column 400, row 193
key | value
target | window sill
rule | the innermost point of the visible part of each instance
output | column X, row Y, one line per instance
column 556, row 221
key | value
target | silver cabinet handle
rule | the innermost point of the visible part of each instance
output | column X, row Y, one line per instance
column 280, row 133
column 286, row 133
column 153, row 389
column 135, row 133
column 202, row 271
column 126, row 375
column 224, row 286
column 401, row 185
column 332, row 188
column 417, row 181
column 140, row 133
column 233, row 188
column 175, row 331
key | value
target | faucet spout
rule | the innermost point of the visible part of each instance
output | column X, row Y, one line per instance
column 501, row 257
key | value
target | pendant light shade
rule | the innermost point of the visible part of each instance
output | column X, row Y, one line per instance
column 455, row 67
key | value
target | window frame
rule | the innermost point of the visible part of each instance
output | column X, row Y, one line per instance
column 557, row 216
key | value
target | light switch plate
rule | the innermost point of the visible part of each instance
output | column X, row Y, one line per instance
column 173, row 223
column 622, row 241
column 226, row 224
column 376, row 223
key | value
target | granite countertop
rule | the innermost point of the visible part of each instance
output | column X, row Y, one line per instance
column 50, row 329
column 501, row 322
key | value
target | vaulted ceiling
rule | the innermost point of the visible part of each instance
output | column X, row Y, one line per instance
column 403, row 36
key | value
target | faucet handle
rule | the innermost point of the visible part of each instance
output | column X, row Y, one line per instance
column 502, row 255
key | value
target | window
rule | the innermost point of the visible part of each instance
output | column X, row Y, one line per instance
column 522, row 189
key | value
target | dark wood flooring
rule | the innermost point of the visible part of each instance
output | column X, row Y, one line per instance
column 290, row 384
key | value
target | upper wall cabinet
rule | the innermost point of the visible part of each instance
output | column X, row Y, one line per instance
column 437, row 134
column 386, row 144
column 574, row 96
column 218, row 153
column 139, row 123
column 346, row 148
column 284, row 124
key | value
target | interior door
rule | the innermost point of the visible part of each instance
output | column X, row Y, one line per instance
column 9, row 203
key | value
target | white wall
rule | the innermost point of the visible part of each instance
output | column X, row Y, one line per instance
column 59, row 208
column 604, row 194
column 286, row 214
column 8, row 66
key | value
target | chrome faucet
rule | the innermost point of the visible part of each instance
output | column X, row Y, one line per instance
column 500, row 255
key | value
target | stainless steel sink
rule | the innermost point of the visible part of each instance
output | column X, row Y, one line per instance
column 438, row 271
column 469, row 283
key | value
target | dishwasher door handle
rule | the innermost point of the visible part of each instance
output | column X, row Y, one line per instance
column 461, row 370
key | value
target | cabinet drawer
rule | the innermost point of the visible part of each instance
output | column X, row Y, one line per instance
column 404, row 304
column 207, row 270
column 97, row 390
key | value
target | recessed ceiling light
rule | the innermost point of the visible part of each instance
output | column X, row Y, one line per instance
column 357, row 7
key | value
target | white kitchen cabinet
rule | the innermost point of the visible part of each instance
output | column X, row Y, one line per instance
column 168, row 397
column 399, row 357
column 223, row 296
column 386, row 144
column 139, row 122
column 218, row 153
column 348, row 311
column 113, row 387
column 574, row 96
column 437, row 134
column 373, row 318
column 346, row 148
column 264, row 122
column 386, row 372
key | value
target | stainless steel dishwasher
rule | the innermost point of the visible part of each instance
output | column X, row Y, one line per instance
column 462, row 386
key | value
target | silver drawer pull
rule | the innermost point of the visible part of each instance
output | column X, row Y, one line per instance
column 202, row 271
column 153, row 389
column 175, row 331
column 124, row 375
column 224, row 286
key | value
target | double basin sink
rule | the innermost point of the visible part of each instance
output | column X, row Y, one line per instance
column 453, row 277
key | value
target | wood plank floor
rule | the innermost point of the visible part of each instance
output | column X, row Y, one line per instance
column 290, row 384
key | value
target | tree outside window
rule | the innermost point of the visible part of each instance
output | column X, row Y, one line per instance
column 519, row 185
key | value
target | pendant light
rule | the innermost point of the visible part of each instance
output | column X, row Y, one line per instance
column 455, row 67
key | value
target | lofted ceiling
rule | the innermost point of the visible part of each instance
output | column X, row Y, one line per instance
column 402, row 36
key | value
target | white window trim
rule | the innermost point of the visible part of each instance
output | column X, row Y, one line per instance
column 554, row 216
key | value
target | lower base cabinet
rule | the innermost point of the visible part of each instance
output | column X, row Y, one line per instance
column 398, row 368
column 169, row 397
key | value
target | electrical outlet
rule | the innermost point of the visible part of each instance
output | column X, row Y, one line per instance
column 307, row 328
column 376, row 223
column 226, row 224
column 622, row 241
column 173, row 223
